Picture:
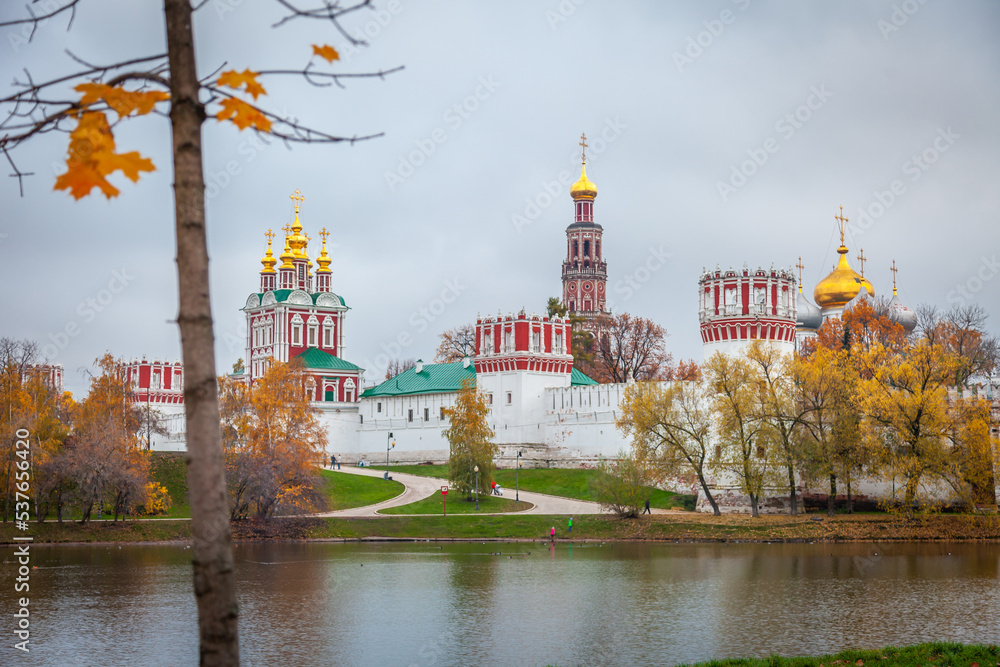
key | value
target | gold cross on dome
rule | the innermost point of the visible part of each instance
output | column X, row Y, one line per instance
column 799, row 266
column 843, row 221
column 269, row 235
column 862, row 259
column 286, row 229
column 298, row 199
column 893, row 269
column 324, row 234
column 583, row 146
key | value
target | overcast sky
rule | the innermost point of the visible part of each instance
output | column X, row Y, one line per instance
column 722, row 133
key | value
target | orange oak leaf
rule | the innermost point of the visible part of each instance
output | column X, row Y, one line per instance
column 246, row 80
column 92, row 158
column 124, row 102
column 326, row 52
column 243, row 115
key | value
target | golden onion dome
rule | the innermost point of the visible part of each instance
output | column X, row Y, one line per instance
column 842, row 285
column 268, row 259
column 583, row 188
column 287, row 256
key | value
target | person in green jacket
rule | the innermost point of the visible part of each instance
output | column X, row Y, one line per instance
column 571, row 524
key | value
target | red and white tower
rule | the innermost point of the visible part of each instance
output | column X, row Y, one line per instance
column 302, row 318
column 584, row 273
column 517, row 358
column 737, row 307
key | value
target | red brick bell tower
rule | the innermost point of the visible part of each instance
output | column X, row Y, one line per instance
column 584, row 272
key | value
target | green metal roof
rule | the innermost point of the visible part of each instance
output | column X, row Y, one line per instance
column 282, row 294
column 433, row 379
column 313, row 358
column 441, row 378
column 578, row 379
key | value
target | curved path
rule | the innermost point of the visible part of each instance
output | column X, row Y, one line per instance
column 418, row 488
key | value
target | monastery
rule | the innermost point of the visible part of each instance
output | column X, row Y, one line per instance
column 544, row 412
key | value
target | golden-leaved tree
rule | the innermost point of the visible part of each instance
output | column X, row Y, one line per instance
column 671, row 430
column 747, row 450
column 29, row 402
column 910, row 417
column 170, row 84
column 470, row 441
column 274, row 443
column 826, row 390
column 780, row 411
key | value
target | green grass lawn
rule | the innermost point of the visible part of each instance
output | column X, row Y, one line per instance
column 169, row 469
column 566, row 482
column 937, row 653
column 344, row 490
column 457, row 504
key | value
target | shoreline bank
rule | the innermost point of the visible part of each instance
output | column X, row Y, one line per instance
column 530, row 528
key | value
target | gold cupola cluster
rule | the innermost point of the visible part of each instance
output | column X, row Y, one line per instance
column 583, row 188
column 295, row 269
column 843, row 283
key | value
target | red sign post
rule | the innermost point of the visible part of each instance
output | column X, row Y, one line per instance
column 444, row 499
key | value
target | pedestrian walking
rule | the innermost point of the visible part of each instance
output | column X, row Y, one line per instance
column 571, row 524
column 333, row 461
column 646, row 510
column 338, row 464
column 552, row 533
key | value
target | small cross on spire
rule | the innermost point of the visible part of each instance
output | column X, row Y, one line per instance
column 843, row 221
column 269, row 235
column 893, row 269
column 799, row 266
column 298, row 199
column 583, row 146
column 324, row 234
column 862, row 259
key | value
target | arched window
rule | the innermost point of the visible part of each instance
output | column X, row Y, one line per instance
column 313, row 331
column 349, row 390
column 327, row 332
column 297, row 331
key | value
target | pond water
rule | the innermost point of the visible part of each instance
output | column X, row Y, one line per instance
column 426, row 603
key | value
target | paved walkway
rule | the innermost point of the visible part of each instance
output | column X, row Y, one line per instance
column 418, row 488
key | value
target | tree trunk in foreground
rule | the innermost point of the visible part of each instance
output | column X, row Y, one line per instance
column 214, row 582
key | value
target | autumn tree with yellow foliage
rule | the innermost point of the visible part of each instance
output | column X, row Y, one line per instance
column 671, row 430
column 747, row 450
column 470, row 441
column 28, row 402
column 170, row 84
column 274, row 443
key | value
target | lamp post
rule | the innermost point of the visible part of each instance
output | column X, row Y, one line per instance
column 389, row 444
column 517, row 480
column 476, row 470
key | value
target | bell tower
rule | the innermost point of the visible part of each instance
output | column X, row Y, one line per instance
column 584, row 272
